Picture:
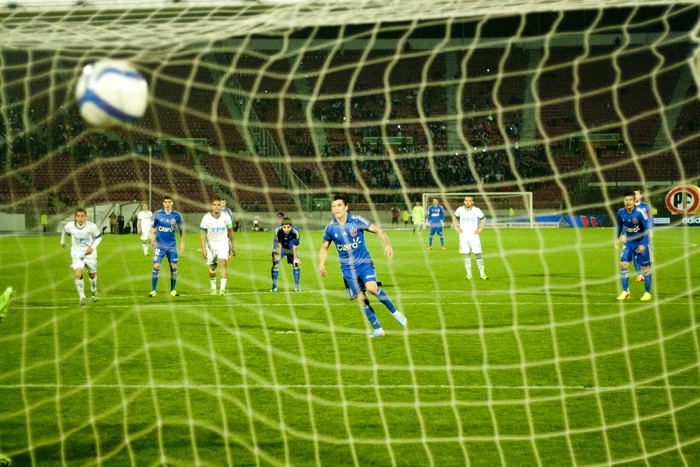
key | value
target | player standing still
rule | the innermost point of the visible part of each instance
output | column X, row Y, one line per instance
column 436, row 219
column 85, row 238
column 216, row 231
column 347, row 232
column 285, row 243
column 639, row 204
column 633, row 230
column 165, row 244
column 469, row 221
column 143, row 226
column 418, row 216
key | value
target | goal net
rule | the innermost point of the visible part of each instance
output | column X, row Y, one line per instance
column 544, row 108
column 514, row 209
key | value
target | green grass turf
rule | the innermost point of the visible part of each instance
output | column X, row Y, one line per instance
column 540, row 365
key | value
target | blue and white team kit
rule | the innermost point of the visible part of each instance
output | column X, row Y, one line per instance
column 166, row 243
column 436, row 218
column 286, row 241
column 635, row 226
column 355, row 261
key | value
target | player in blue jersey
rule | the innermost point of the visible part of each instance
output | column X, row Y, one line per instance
column 633, row 230
column 347, row 232
column 165, row 244
column 228, row 211
column 436, row 218
column 646, row 207
column 285, row 243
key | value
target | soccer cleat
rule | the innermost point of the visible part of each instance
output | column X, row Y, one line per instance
column 639, row 278
column 5, row 300
column 5, row 461
column 213, row 292
column 297, row 289
column 483, row 277
column 152, row 294
column 94, row 297
column 403, row 321
column 646, row 297
column 173, row 293
column 429, row 248
column 624, row 295
column 468, row 278
column 222, row 292
column 83, row 301
column 273, row 290
column 145, row 254
column 443, row 248
column 377, row 333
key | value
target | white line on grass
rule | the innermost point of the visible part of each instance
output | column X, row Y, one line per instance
column 331, row 386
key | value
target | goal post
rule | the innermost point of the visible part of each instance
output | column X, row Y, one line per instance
column 511, row 209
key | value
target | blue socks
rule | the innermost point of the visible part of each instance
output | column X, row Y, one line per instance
column 371, row 316
column 625, row 279
column 297, row 275
column 384, row 298
column 275, row 274
column 154, row 278
column 647, row 280
column 173, row 278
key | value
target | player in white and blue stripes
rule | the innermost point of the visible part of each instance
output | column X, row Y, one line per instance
column 646, row 207
column 216, row 240
column 633, row 230
column 285, row 243
column 347, row 232
column 85, row 237
column 436, row 218
column 165, row 244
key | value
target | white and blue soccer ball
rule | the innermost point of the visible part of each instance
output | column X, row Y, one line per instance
column 111, row 93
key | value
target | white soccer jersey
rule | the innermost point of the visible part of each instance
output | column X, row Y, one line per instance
column 82, row 237
column 469, row 219
column 216, row 227
column 146, row 218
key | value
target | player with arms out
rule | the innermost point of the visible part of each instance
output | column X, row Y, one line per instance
column 143, row 226
column 469, row 221
column 86, row 236
column 347, row 232
column 646, row 207
column 418, row 217
column 165, row 244
column 633, row 230
column 216, row 237
column 285, row 243
column 436, row 218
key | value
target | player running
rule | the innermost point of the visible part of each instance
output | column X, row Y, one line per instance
column 86, row 236
column 639, row 204
column 469, row 221
column 165, row 244
column 216, row 231
column 347, row 232
column 285, row 243
column 436, row 218
column 143, row 227
column 633, row 230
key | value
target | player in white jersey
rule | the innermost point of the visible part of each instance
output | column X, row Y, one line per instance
column 85, row 238
column 216, row 231
column 469, row 221
column 143, row 225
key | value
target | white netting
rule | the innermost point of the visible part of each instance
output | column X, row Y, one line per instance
column 277, row 106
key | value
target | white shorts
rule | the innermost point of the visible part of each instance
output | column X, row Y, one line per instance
column 88, row 263
column 217, row 252
column 469, row 243
column 146, row 235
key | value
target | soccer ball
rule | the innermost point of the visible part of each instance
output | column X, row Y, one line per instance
column 111, row 93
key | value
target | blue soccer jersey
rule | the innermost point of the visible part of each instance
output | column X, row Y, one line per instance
column 165, row 228
column 286, row 240
column 634, row 225
column 349, row 239
column 436, row 215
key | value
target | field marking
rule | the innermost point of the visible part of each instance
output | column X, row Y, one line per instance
column 333, row 386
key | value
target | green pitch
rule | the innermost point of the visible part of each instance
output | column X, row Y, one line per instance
column 540, row 365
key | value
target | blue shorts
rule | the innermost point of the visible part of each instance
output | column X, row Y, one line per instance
column 629, row 252
column 355, row 279
column 169, row 251
column 435, row 229
column 284, row 252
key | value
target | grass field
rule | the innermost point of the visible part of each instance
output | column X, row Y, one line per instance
column 540, row 365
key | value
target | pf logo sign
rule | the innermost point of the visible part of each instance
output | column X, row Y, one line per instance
column 684, row 199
